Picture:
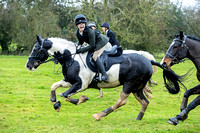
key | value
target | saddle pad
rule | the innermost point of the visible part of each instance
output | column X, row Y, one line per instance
column 107, row 61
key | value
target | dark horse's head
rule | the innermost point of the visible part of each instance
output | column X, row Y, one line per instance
column 176, row 52
column 39, row 53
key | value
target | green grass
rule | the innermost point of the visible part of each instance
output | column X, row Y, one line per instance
column 25, row 104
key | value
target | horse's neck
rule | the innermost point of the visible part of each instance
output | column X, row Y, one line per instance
column 194, row 54
column 59, row 45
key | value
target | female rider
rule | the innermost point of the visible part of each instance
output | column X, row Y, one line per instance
column 97, row 43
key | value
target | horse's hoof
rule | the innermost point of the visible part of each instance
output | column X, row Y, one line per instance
column 57, row 106
column 61, row 94
column 173, row 121
column 149, row 96
column 96, row 117
column 99, row 96
column 82, row 99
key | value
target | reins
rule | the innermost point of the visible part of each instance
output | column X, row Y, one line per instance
column 80, row 56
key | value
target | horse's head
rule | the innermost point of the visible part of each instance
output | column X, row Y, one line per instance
column 176, row 52
column 39, row 53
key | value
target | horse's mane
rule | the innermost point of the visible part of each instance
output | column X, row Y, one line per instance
column 63, row 41
column 193, row 38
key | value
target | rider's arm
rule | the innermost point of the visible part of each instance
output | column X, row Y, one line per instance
column 92, row 44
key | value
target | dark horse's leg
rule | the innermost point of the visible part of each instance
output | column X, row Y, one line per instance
column 121, row 101
column 184, row 114
column 187, row 94
column 143, row 101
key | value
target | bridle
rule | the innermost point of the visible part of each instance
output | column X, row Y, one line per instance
column 45, row 52
column 54, row 59
column 175, row 60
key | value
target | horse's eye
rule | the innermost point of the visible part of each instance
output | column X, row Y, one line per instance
column 175, row 47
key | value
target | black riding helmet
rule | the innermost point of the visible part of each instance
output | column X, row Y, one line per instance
column 80, row 19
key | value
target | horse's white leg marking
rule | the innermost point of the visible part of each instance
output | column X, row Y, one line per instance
column 120, row 102
column 101, row 93
column 56, row 85
column 61, row 83
column 143, row 101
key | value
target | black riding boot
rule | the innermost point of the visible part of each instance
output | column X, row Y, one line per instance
column 100, row 66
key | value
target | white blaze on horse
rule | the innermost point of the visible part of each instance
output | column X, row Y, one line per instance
column 132, row 71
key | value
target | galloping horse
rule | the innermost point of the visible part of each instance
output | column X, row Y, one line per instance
column 133, row 73
column 184, row 47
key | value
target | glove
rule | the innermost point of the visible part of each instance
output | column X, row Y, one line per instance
column 78, row 51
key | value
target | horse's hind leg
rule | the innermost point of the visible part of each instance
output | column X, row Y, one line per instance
column 152, row 82
column 143, row 101
column 187, row 94
column 147, row 90
column 121, row 101
column 101, row 93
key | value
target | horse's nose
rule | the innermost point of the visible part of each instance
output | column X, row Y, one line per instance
column 164, row 64
column 28, row 66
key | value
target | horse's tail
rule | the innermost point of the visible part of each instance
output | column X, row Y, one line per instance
column 171, row 79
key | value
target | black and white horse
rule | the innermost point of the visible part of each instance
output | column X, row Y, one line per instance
column 133, row 73
column 184, row 47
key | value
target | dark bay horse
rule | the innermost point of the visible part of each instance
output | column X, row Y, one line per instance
column 184, row 47
column 132, row 73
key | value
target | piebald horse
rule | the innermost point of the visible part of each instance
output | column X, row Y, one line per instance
column 184, row 47
column 133, row 74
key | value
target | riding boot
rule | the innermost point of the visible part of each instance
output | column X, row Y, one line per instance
column 100, row 66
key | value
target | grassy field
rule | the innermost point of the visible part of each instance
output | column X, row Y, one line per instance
column 25, row 104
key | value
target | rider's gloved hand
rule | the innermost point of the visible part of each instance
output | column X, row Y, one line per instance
column 78, row 51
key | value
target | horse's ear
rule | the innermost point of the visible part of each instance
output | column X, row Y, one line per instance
column 181, row 35
column 39, row 39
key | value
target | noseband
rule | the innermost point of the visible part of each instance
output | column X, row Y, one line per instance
column 174, row 57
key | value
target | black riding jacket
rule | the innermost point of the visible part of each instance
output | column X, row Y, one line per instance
column 95, row 39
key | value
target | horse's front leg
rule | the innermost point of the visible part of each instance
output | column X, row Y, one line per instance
column 184, row 113
column 73, row 90
column 187, row 94
column 56, row 85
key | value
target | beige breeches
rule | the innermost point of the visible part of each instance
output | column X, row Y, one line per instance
column 100, row 51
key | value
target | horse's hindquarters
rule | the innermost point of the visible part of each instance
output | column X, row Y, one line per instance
column 135, row 71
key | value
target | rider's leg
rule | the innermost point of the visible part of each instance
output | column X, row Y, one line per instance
column 96, row 58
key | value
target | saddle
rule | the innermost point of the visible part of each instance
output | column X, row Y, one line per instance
column 108, row 58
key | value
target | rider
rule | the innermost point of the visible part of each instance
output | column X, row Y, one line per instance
column 92, row 25
column 110, row 34
column 97, row 43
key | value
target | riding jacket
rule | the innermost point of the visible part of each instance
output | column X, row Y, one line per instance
column 95, row 39
column 112, row 39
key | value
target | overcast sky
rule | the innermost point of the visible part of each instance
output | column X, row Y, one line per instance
column 185, row 2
